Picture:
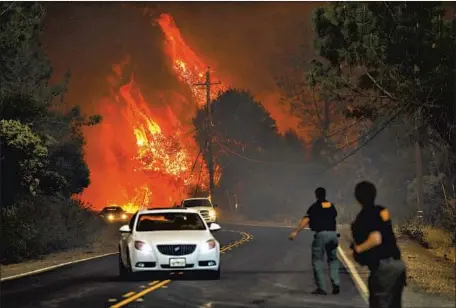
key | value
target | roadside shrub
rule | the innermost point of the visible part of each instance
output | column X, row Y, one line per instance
column 449, row 218
column 42, row 225
column 414, row 229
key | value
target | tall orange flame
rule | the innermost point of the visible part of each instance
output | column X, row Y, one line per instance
column 188, row 67
column 145, row 163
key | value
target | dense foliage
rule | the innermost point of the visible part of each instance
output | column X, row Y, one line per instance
column 393, row 64
column 262, row 170
column 41, row 144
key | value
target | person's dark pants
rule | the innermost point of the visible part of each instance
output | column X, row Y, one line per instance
column 325, row 242
column 386, row 284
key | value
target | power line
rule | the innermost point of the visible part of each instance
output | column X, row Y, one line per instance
column 331, row 152
column 248, row 158
column 208, row 85
column 342, row 130
column 362, row 136
column 383, row 126
column 196, row 159
column 194, row 162
column 199, row 176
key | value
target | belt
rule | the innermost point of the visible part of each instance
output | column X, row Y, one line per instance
column 338, row 234
column 387, row 260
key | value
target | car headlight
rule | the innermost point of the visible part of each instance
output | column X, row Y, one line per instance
column 210, row 244
column 110, row 217
column 143, row 246
column 212, row 214
column 124, row 216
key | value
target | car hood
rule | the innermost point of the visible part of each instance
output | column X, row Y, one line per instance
column 201, row 208
column 173, row 237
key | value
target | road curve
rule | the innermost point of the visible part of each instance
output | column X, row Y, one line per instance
column 262, row 269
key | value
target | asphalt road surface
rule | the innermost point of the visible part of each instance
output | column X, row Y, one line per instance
column 260, row 268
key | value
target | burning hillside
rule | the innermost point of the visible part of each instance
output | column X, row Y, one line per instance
column 147, row 156
column 143, row 153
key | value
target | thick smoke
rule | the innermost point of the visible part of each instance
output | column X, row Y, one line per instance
column 242, row 42
column 245, row 42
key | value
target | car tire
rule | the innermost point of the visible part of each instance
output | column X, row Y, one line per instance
column 214, row 275
column 123, row 271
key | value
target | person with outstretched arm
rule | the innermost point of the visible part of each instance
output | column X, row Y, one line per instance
column 321, row 218
column 375, row 246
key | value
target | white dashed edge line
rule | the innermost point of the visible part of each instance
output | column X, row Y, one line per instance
column 45, row 269
column 361, row 286
column 266, row 225
column 359, row 283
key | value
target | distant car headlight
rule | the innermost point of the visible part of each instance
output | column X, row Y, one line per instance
column 143, row 246
column 124, row 216
column 212, row 214
column 210, row 244
column 110, row 217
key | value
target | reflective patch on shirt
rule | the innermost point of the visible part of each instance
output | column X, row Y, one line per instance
column 385, row 215
column 326, row 205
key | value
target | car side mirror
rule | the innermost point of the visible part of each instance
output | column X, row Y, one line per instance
column 125, row 229
column 214, row 227
column 215, row 205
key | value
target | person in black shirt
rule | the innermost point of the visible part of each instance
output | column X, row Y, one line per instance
column 375, row 247
column 321, row 218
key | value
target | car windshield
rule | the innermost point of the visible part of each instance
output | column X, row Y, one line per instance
column 169, row 222
column 112, row 210
column 196, row 202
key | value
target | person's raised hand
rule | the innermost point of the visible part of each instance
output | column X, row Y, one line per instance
column 292, row 235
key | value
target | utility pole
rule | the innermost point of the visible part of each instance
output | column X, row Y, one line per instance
column 326, row 119
column 419, row 164
column 208, row 127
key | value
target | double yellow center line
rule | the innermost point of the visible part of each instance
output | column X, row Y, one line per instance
column 154, row 285
column 245, row 238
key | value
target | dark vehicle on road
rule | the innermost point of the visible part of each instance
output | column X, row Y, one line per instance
column 113, row 214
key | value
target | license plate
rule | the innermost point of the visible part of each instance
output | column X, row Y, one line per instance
column 177, row 262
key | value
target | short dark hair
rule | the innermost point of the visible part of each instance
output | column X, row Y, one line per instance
column 320, row 193
column 365, row 192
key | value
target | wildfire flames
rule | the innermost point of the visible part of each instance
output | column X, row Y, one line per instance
column 147, row 158
column 188, row 67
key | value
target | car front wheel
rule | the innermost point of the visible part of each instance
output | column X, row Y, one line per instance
column 214, row 275
column 125, row 272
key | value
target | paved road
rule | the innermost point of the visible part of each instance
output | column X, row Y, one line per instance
column 265, row 270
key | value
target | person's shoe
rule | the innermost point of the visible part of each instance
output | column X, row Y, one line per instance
column 336, row 290
column 319, row 292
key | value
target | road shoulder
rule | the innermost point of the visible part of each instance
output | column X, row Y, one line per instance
column 414, row 295
column 105, row 245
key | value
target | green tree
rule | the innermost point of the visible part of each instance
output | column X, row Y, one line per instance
column 41, row 145
column 258, row 165
column 390, row 58
column 41, row 142
column 25, row 159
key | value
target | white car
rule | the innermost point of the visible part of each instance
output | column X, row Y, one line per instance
column 166, row 240
column 203, row 206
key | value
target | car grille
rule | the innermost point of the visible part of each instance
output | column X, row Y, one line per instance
column 205, row 214
column 176, row 250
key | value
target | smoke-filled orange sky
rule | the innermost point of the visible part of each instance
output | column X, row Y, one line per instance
column 124, row 67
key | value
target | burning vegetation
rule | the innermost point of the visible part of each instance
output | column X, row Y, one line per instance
column 147, row 148
column 154, row 160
